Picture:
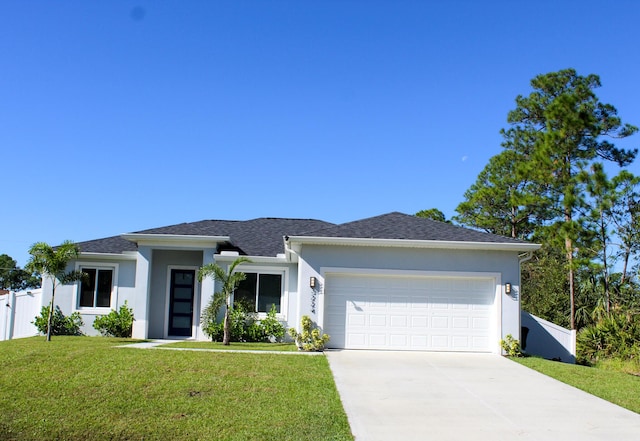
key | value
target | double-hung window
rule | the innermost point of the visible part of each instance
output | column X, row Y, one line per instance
column 259, row 291
column 96, row 288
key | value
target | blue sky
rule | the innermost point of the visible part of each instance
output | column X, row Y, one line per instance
column 117, row 116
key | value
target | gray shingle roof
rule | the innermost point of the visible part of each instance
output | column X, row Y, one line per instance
column 404, row 226
column 256, row 237
column 263, row 236
column 113, row 244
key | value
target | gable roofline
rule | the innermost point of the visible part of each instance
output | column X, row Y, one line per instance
column 410, row 243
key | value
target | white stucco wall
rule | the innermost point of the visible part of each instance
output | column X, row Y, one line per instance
column 313, row 258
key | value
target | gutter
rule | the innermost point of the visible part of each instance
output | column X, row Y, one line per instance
column 438, row 244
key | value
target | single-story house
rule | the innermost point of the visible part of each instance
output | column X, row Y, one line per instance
column 393, row 281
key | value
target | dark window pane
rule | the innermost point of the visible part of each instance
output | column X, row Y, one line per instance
column 182, row 307
column 270, row 292
column 87, row 287
column 182, row 293
column 245, row 294
column 103, row 299
column 182, row 322
column 183, row 277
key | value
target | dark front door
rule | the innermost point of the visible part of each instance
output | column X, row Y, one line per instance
column 181, row 302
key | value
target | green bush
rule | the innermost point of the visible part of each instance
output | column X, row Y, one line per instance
column 273, row 329
column 60, row 324
column 616, row 335
column 245, row 326
column 310, row 339
column 116, row 323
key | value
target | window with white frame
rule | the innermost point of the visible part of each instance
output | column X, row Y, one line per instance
column 259, row 291
column 96, row 288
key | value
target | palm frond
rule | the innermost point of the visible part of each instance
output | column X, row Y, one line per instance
column 73, row 276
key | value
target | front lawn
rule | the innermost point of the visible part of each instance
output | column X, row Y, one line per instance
column 82, row 388
column 617, row 387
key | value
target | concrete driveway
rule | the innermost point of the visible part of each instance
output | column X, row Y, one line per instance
column 451, row 396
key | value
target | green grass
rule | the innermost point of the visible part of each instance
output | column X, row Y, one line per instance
column 617, row 387
column 626, row 366
column 283, row 347
column 82, row 388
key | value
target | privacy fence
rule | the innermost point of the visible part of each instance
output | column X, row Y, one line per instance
column 17, row 311
column 548, row 340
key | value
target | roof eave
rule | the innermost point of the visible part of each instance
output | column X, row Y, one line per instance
column 108, row 256
column 406, row 243
column 173, row 239
column 227, row 258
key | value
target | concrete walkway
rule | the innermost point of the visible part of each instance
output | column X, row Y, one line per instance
column 450, row 396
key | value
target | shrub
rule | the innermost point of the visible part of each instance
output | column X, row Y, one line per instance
column 245, row 326
column 60, row 324
column 511, row 346
column 116, row 323
column 615, row 335
column 273, row 329
column 310, row 339
column 214, row 330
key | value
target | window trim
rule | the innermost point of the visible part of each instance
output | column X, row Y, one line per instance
column 284, row 294
column 113, row 300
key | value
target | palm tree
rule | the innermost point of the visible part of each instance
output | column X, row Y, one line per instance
column 52, row 263
column 230, row 280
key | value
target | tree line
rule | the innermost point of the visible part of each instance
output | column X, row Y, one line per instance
column 551, row 184
column 14, row 278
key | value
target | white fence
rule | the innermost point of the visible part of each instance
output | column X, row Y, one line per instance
column 17, row 311
column 548, row 340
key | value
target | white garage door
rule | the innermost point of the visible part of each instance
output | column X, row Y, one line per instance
column 410, row 313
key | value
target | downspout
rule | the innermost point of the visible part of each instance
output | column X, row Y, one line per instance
column 521, row 259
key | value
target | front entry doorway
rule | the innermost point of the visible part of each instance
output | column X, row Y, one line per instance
column 181, row 302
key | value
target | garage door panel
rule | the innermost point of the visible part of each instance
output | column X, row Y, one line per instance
column 420, row 313
column 440, row 322
column 418, row 321
column 377, row 340
column 399, row 302
column 440, row 342
column 398, row 321
column 419, row 342
column 460, row 342
column 479, row 323
column 357, row 320
column 357, row 339
column 460, row 322
column 479, row 343
column 398, row 341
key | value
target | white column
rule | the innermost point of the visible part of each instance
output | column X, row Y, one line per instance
column 141, row 296
column 207, row 287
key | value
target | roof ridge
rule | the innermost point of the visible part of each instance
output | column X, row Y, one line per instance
column 287, row 218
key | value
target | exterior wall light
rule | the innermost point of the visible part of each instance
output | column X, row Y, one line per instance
column 507, row 288
column 312, row 282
